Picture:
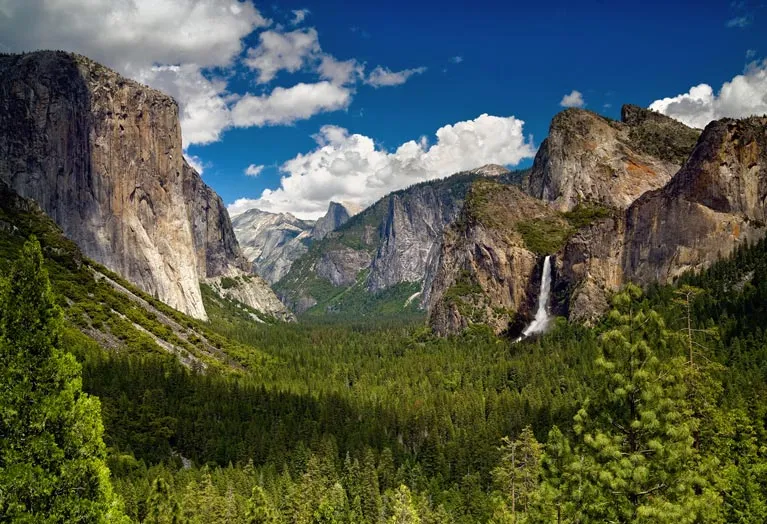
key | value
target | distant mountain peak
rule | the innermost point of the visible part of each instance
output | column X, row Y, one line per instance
column 337, row 215
column 490, row 170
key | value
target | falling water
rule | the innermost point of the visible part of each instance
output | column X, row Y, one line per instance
column 541, row 321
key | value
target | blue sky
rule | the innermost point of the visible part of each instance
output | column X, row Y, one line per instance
column 515, row 61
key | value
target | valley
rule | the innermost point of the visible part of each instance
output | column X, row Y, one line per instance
column 578, row 341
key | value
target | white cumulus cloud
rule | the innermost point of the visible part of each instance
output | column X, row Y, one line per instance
column 340, row 72
column 253, row 170
column 146, row 32
column 573, row 99
column 740, row 97
column 286, row 105
column 166, row 44
column 278, row 51
column 385, row 77
column 348, row 167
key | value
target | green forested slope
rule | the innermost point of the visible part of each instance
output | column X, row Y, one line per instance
column 369, row 423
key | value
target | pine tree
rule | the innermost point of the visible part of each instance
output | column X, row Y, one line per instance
column 332, row 506
column 261, row 510
column 402, row 510
column 634, row 458
column 371, row 495
column 162, row 507
column 517, row 474
column 52, row 466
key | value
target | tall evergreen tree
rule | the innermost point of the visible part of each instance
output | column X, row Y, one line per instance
column 517, row 474
column 402, row 509
column 261, row 510
column 52, row 465
column 634, row 458
column 162, row 507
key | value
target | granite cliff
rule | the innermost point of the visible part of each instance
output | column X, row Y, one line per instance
column 590, row 158
column 337, row 215
column 102, row 156
column 603, row 231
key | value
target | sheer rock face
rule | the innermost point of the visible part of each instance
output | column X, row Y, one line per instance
column 337, row 215
column 486, row 272
column 589, row 158
column 272, row 241
column 591, row 265
column 102, row 156
column 716, row 202
column 411, row 236
column 342, row 266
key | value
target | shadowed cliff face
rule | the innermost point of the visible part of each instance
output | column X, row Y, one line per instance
column 715, row 202
column 589, row 158
column 102, row 156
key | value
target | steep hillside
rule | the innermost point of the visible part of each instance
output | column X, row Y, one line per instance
column 390, row 249
column 102, row 156
column 109, row 310
column 590, row 158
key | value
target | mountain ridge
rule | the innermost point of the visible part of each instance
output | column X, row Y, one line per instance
column 392, row 246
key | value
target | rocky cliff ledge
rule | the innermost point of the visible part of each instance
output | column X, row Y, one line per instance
column 102, row 155
column 590, row 158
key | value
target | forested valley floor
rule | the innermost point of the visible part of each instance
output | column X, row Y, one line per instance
column 656, row 414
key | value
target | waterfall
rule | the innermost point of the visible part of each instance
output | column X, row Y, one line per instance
column 542, row 318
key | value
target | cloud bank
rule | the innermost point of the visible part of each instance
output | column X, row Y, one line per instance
column 189, row 49
column 348, row 167
column 743, row 96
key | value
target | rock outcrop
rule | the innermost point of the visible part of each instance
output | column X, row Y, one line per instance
column 486, row 268
column 102, row 156
column 590, row 158
column 714, row 203
column 272, row 241
column 337, row 215
column 717, row 201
